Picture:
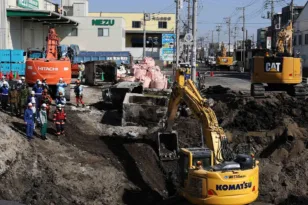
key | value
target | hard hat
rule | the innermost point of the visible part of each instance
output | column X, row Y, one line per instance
column 5, row 83
column 61, row 79
column 44, row 105
column 38, row 80
column 33, row 101
column 23, row 78
column 3, row 77
column 19, row 82
column 29, row 104
column 40, row 83
column 81, row 61
column 59, row 106
column 32, row 93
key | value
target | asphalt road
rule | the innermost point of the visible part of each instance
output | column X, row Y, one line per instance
column 232, row 79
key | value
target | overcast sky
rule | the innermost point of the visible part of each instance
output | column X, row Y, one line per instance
column 211, row 12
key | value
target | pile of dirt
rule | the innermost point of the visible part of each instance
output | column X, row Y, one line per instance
column 275, row 129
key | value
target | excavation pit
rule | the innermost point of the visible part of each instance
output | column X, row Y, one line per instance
column 144, row 110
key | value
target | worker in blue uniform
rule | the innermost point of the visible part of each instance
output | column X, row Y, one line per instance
column 28, row 118
column 5, row 95
column 61, row 87
column 38, row 93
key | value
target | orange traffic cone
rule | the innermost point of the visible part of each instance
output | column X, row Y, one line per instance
column 7, row 75
column 17, row 76
column 11, row 76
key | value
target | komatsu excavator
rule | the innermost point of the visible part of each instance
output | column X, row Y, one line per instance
column 208, row 174
column 280, row 71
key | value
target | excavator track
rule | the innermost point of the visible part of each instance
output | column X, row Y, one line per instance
column 299, row 91
column 257, row 90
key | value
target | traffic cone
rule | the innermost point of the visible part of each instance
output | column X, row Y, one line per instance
column 7, row 75
column 11, row 76
column 17, row 76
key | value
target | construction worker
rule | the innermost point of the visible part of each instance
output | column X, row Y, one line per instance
column 34, row 109
column 43, row 120
column 36, row 84
column 28, row 118
column 32, row 97
column 14, row 96
column 44, row 84
column 61, row 86
column 2, row 81
column 4, row 95
column 19, row 85
column 78, row 89
column 81, row 68
column 59, row 118
column 23, row 80
column 46, row 99
column 38, row 93
column 60, row 100
column 24, row 94
column 121, row 69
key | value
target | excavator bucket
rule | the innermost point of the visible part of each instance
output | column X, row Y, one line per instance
column 168, row 145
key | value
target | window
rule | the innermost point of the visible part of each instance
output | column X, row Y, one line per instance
column 103, row 32
column 162, row 24
column 306, row 39
column 136, row 24
column 74, row 32
column 300, row 40
column 294, row 40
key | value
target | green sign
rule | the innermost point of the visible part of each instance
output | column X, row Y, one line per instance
column 28, row 4
column 102, row 22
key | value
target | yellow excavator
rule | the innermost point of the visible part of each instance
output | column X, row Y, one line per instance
column 210, row 174
column 280, row 71
column 222, row 60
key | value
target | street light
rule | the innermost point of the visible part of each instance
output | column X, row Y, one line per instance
column 153, row 41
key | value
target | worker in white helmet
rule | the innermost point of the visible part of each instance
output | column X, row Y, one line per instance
column 81, row 68
column 28, row 119
column 43, row 120
column 59, row 118
column 61, row 87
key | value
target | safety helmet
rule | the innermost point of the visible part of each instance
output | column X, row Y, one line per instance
column 23, row 78
column 5, row 83
column 32, row 93
column 19, row 82
column 61, row 79
column 44, row 105
column 40, row 83
column 29, row 104
column 33, row 101
column 81, row 61
column 38, row 80
column 3, row 77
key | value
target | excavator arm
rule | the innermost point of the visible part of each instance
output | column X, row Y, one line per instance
column 212, row 134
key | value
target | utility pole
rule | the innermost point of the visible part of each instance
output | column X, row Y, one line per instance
column 177, row 34
column 234, row 37
column 188, row 28
column 272, row 9
column 194, row 49
column 144, row 35
column 218, row 29
column 243, row 43
column 292, row 11
column 228, row 21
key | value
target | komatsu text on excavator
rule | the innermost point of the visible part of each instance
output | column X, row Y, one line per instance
column 210, row 174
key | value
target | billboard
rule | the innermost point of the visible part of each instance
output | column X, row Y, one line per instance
column 167, row 51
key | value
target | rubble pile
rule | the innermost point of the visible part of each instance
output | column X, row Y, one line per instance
column 147, row 73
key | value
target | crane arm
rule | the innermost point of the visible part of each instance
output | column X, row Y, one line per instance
column 212, row 133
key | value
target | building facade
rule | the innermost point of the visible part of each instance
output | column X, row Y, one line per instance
column 156, row 25
column 261, row 37
column 301, row 36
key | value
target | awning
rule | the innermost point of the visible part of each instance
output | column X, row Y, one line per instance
column 41, row 16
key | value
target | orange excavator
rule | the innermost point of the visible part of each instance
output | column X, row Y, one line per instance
column 52, row 67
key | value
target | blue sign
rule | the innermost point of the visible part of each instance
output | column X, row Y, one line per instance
column 168, row 47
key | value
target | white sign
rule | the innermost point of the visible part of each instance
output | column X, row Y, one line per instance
column 268, row 42
column 188, row 37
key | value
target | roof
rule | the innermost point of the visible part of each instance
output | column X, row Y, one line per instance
column 43, row 16
column 302, row 13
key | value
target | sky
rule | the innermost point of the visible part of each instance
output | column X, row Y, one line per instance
column 210, row 13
